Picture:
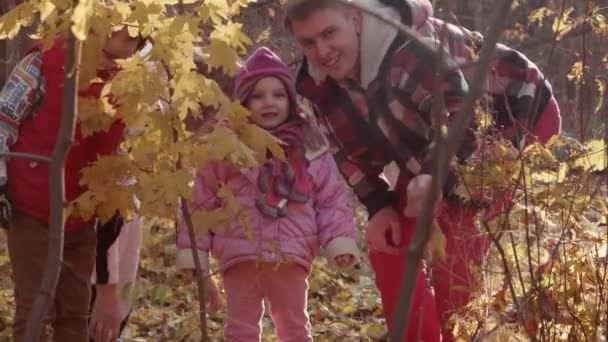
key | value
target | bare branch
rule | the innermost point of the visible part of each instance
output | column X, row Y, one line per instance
column 442, row 155
column 57, row 189
column 32, row 157
column 199, row 270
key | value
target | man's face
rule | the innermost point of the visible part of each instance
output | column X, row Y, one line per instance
column 329, row 38
column 118, row 46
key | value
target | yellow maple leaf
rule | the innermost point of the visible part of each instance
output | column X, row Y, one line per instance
column 46, row 9
column 221, row 55
column 93, row 117
column 91, row 51
column 62, row 5
column 81, row 18
column 51, row 27
column 438, row 243
column 84, row 206
column 216, row 10
column 595, row 156
column 373, row 330
column 232, row 34
column 187, row 89
column 258, row 139
column 21, row 16
column 144, row 15
column 174, row 45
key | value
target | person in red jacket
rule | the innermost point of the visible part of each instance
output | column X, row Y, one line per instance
column 30, row 115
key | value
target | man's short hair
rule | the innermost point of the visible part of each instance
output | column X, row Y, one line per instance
column 301, row 9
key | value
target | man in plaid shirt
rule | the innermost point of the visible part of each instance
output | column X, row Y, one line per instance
column 374, row 90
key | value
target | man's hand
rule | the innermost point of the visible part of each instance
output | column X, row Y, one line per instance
column 106, row 316
column 6, row 209
column 383, row 232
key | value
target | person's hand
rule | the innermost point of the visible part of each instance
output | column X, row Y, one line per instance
column 6, row 208
column 417, row 189
column 212, row 293
column 383, row 232
column 106, row 316
column 344, row 260
column 212, row 296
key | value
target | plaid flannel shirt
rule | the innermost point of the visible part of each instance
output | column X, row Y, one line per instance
column 390, row 120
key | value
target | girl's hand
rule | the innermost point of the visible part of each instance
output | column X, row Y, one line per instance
column 212, row 296
column 212, row 293
column 344, row 260
column 106, row 316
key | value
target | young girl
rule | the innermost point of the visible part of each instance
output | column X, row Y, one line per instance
column 295, row 208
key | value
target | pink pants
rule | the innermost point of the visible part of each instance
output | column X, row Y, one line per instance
column 285, row 287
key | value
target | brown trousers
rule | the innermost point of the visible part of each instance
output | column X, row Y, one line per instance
column 69, row 314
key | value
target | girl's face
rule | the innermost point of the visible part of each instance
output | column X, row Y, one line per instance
column 268, row 103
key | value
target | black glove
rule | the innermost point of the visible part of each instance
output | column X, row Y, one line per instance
column 107, row 234
column 6, row 208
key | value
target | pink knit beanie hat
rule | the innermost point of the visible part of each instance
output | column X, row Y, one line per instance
column 264, row 63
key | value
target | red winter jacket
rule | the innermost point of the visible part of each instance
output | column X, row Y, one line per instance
column 29, row 181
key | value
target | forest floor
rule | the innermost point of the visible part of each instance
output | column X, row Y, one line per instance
column 342, row 307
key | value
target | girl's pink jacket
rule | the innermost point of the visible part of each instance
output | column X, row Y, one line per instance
column 324, row 221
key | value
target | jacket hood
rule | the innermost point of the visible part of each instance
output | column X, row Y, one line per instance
column 377, row 36
column 420, row 11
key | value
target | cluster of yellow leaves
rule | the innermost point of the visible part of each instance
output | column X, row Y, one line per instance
column 565, row 21
column 549, row 243
column 152, row 94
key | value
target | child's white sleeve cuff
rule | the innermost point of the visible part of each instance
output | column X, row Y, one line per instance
column 185, row 261
column 340, row 246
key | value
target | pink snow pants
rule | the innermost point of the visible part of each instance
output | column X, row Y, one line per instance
column 285, row 287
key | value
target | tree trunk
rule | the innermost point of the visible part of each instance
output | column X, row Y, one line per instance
column 57, row 187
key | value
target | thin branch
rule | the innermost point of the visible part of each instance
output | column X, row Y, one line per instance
column 442, row 155
column 179, row 9
column 199, row 270
column 197, row 263
column 32, row 157
column 57, row 190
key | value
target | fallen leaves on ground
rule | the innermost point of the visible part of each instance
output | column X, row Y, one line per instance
column 342, row 307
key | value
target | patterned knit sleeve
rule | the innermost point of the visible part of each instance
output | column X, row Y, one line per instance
column 20, row 97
